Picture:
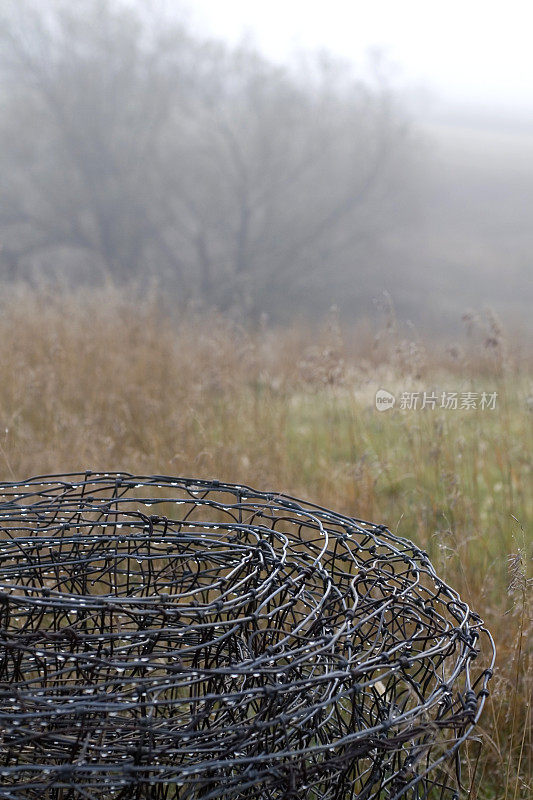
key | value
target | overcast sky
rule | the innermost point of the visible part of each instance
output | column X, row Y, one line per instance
column 464, row 50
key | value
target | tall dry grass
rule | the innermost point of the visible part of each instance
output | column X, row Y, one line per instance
column 101, row 381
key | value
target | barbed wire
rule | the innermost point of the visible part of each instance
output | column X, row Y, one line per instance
column 165, row 638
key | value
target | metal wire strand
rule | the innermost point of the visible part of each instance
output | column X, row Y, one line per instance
column 168, row 638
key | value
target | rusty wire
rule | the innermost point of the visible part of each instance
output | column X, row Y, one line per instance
column 168, row 638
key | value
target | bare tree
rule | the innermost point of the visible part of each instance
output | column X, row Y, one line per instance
column 137, row 149
column 88, row 94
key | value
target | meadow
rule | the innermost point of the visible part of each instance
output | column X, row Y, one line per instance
column 104, row 380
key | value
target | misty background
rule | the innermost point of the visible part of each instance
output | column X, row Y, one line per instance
column 166, row 143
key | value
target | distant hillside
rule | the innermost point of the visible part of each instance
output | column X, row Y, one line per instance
column 476, row 244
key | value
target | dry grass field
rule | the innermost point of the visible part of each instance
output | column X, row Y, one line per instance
column 99, row 381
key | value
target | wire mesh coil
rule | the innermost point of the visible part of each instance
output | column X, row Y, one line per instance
column 168, row 638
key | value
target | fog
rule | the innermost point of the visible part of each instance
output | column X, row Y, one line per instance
column 150, row 143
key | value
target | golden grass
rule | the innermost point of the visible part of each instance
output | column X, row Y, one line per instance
column 95, row 380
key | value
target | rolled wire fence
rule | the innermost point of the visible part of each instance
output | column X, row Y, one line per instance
column 170, row 638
